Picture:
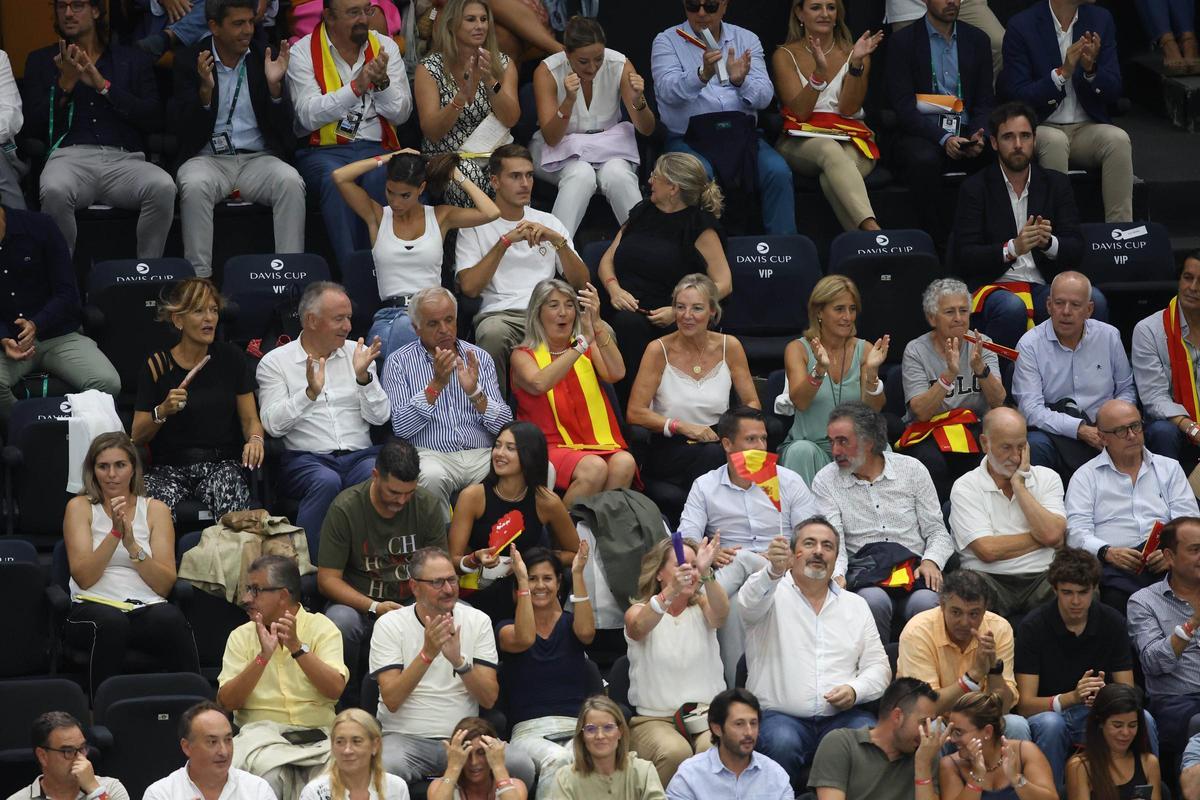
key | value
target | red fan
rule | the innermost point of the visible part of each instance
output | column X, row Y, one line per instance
column 506, row 530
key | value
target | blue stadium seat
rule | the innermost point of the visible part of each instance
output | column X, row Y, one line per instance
column 136, row 270
column 591, row 253
column 256, row 284
column 35, row 488
column 877, row 246
column 1132, row 265
column 358, row 276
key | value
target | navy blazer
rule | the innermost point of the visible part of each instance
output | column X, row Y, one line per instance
column 194, row 124
column 1031, row 54
column 983, row 222
column 910, row 72
column 38, row 277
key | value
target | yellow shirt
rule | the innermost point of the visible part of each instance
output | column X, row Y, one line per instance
column 284, row 693
column 926, row 652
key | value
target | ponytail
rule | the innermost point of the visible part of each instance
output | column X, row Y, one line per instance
column 439, row 170
column 711, row 199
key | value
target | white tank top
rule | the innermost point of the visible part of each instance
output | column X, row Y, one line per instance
column 827, row 101
column 701, row 400
column 678, row 662
column 406, row 267
column 605, row 108
column 120, row 580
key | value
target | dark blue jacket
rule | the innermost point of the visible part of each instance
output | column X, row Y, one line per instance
column 1031, row 54
column 910, row 72
column 37, row 281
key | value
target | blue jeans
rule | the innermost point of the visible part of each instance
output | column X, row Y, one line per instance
column 884, row 607
column 394, row 328
column 315, row 479
column 1005, row 319
column 1161, row 17
column 1164, row 438
column 191, row 27
column 774, row 185
column 1057, row 734
column 792, row 741
column 347, row 232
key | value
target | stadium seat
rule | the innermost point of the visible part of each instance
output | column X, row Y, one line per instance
column 35, row 488
column 124, row 271
column 255, row 285
column 618, row 685
column 140, row 714
column 876, row 246
column 1133, row 267
column 772, row 279
column 23, row 586
column 590, row 254
column 358, row 276
column 23, row 701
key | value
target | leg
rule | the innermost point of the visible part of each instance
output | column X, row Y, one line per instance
column 1107, row 147
column 446, row 474
column 1052, row 735
column 203, row 182
column 68, row 182
column 676, row 144
column 355, row 627
column 924, row 164
column 882, row 609
column 548, row 756
column 346, row 231
column 841, row 181
column 167, row 484
column 191, row 27
column 1164, row 438
column 498, row 333
column 621, row 469
column 804, row 457
column 1004, row 317
column 356, row 467
column 223, row 488
column 918, row 601
column 104, row 632
column 1053, row 147
column 130, row 182
column 1042, row 451
column 657, row 740
column 412, row 758
column 10, row 186
column 520, row 764
column 576, row 185
column 928, row 453
column 977, row 13
column 776, row 191
column 270, row 181
column 587, row 479
column 789, row 742
column 314, row 480
column 162, row 629
column 77, row 360
column 1017, row 727
column 619, row 183
column 394, row 328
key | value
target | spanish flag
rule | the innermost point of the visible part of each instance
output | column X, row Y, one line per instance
column 1183, row 371
column 758, row 467
column 824, row 122
column 903, row 576
column 330, row 81
column 581, row 412
column 1020, row 289
column 949, row 430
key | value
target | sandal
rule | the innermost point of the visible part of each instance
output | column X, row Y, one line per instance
column 1191, row 53
column 1173, row 61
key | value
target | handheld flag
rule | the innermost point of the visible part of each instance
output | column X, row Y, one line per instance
column 506, row 530
column 677, row 543
column 758, row 467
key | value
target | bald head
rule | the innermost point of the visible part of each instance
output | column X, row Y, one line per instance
column 1120, row 426
column 1115, row 412
column 1073, row 281
column 1003, row 420
column 1004, row 441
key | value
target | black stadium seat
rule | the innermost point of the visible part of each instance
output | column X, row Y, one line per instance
column 35, row 489
column 255, row 285
column 23, row 701
column 212, row 618
column 23, row 586
column 852, row 246
column 1132, row 265
column 358, row 276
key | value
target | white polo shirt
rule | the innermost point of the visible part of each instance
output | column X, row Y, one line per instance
column 240, row 785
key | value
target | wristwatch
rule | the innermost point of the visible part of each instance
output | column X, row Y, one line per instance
column 997, row 668
column 1102, row 552
column 141, row 555
column 465, row 667
column 303, row 650
column 987, row 370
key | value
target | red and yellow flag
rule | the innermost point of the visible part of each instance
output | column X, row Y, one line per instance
column 949, row 430
column 903, row 576
column 581, row 412
column 506, row 530
column 329, row 81
column 1183, row 371
column 1019, row 288
column 758, row 467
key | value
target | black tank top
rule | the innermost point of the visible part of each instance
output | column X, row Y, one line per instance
column 507, row 518
column 1125, row 790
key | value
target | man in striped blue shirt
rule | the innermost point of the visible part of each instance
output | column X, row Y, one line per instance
column 445, row 397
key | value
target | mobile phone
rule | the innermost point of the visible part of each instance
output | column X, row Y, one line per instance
column 304, row 736
column 643, row 311
column 1143, row 792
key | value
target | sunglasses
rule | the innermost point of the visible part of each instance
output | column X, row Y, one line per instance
column 694, row 6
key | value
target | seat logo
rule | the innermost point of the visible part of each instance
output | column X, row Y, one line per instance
column 277, row 264
column 763, row 248
column 882, row 240
column 65, row 406
column 1131, row 233
column 142, row 268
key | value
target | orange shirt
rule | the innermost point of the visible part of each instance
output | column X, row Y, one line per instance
column 926, row 652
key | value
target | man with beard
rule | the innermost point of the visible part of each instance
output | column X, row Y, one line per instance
column 813, row 654
column 884, row 762
column 349, row 87
column 1015, row 227
column 731, row 769
column 874, row 496
column 1008, row 517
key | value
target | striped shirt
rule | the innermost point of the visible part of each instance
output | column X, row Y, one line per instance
column 1153, row 614
column 451, row 424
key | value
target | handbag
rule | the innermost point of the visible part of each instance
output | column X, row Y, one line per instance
column 691, row 719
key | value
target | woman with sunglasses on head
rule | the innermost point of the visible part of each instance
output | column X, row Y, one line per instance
column 987, row 765
column 475, row 766
column 1116, row 757
column 603, row 766
column 355, row 769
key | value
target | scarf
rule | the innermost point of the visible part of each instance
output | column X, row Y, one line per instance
column 1183, row 371
column 835, row 124
column 1021, row 290
column 949, row 430
column 330, row 81
column 581, row 412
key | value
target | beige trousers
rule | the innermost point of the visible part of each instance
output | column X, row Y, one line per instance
column 656, row 739
column 977, row 13
column 840, row 167
column 1090, row 145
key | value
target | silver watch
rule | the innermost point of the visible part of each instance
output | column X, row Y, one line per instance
column 141, row 555
column 465, row 667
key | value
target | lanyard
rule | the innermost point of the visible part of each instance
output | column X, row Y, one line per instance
column 236, row 94
column 70, row 118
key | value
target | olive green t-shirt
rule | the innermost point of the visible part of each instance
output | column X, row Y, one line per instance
column 372, row 551
column 848, row 760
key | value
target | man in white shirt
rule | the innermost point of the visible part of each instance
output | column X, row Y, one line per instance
column 11, row 120
column 1115, row 500
column 62, row 754
column 1007, row 517
column 346, row 113
column 1069, row 365
column 320, row 395
column 885, row 506
column 206, row 738
column 503, row 260
column 436, row 663
column 813, row 654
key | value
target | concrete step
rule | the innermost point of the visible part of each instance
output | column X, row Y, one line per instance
column 1176, row 98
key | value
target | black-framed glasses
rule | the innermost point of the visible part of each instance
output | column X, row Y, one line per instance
column 694, row 5
column 69, row 753
column 438, row 583
column 608, row 729
column 363, row 11
column 76, row 6
column 1125, row 431
column 254, row 590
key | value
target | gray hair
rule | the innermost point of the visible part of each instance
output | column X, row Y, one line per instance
column 535, row 333
column 942, row 287
column 419, row 558
column 310, row 301
column 815, row 519
column 705, row 286
column 281, row 571
column 426, row 295
column 869, row 424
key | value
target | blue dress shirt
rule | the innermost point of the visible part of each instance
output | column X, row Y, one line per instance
column 947, row 79
column 704, row 777
column 243, row 127
column 745, row 517
column 1153, row 614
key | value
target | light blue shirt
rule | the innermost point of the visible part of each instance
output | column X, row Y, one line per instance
column 1097, row 370
column 677, row 88
column 1191, row 754
column 244, row 128
column 947, row 79
column 1105, row 508
column 745, row 517
column 703, row 776
column 1153, row 614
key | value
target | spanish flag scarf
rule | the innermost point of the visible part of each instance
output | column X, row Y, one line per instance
column 581, row 412
column 835, row 124
column 330, row 81
column 1183, row 371
column 1019, row 288
column 949, row 430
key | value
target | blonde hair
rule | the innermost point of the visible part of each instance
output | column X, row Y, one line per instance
column 374, row 732
column 535, row 332
column 583, row 759
column 841, row 31
column 652, row 564
column 188, row 295
column 105, row 441
column 705, row 286
column 982, row 709
column 449, row 20
column 823, row 294
column 695, row 187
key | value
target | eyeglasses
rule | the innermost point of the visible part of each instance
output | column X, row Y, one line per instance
column 363, row 11
column 77, row 6
column 693, row 6
column 1125, row 431
column 608, row 729
column 255, row 591
column 69, row 753
column 438, row 583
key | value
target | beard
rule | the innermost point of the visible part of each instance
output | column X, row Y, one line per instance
column 1000, row 469
column 815, row 572
column 359, row 34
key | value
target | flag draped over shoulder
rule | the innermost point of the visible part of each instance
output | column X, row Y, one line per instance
column 949, row 430
column 759, row 467
column 582, row 415
column 1183, row 370
column 330, row 81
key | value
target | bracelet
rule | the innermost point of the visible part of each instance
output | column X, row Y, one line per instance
column 771, row 573
column 424, row 657
column 817, row 84
column 255, row 436
column 580, row 598
column 966, row 684
column 656, row 605
column 478, row 391
column 502, row 783
column 605, row 343
column 645, row 103
column 462, row 564
column 116, row 534
column 258, row 659
column 378, row 162
column 522, row 593
column 674, row 426
column 1183, row 633
column 507, row 242
column 855, row 71
column 816, row 380
column 371, row 609
column 709, row 577
column 1189, row 627
column 945, row 384
column 157, row 419
column 463, row 107
column 560, row 245
column 974, row 787
column 667, row 428
column 922, row 781
column 104, row 89
column 431, row 394
column 878, row 390
column 1056, row 704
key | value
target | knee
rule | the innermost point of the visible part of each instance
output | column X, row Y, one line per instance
column 1115, row 142
column 158, row 186
column 621, row 464
column 289, row 182
column 57, row 193
column 614, row 173
column 1043, row 726
column 489, row 335
column 1017, row 727
column 347, row 620
column 674, row 751
column 771, row 166
column 577, row 175
column 591, row 471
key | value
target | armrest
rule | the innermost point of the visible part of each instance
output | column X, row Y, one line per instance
column 60, row 603
column 102, row 738
column 12, row 455
column 181, row 593
column 93, row 320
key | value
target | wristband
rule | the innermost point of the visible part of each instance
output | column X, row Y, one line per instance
column 478, row 391
column 157, row 419
column 104, row 89
column 431, row 394
column 1183, row 633
column 816, row 380
column 816, row 83
column 945, row 384
column 580, row 345
column 522, row 593
column 507, row 242
column 116, row 534
column 610, row 279
column 923, row 781
column 378, row 162
column 878, row 390
column 424, row 657
column 656, row 605
column 580, row 598
column 1189, row 627
column 1056, row 704
column 258, row 659
column 971, row 787
column 966, row 684
column 462, row 563
column 560, row 245
column 354, row 88
column 709, row 577
column 255, row 436
column 371, row 609
column 502, row 783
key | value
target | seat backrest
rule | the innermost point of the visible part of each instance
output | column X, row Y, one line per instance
column 23, row 586
column 25, row 699
column 39, row 426
column 358, row 276
column 257, row 283
column 1126, row 251
column 618, row 681
column 137, row 270
column 591, row 253
column 877, row 245
column 120, row 688
column 145, row 737
column 131, row 331
column 772, row 279
column 891, row 289
column 17, row 551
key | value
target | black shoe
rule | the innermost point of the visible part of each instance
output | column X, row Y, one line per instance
column 155, row 45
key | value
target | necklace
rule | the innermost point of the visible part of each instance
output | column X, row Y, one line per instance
column 520, row 496
column 823, row 52
column 559, row 352
column 697, row 368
